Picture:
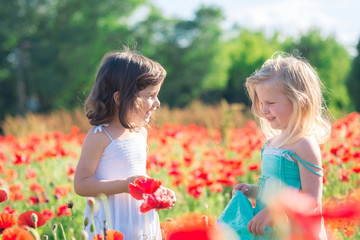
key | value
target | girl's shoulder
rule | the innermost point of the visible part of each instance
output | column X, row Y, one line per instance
column 97, row 137
column 307, row 148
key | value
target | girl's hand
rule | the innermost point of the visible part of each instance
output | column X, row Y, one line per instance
column 133, row 178
column 248, row 190
column 257, row 225
column 172, row 196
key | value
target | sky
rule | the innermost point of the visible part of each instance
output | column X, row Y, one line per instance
column 289, row 17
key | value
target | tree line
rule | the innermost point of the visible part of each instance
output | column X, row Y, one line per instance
column 50, row 51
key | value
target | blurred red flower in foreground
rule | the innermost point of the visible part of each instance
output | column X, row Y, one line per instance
column 110, row 235
column 7, row 220
column 17, row 233
column 25, row 219
column 303, row 217
column 193, row 226
column 114, row 235
column 3, row 196
column 98, row 237
column 343, row 214
column 143, row 185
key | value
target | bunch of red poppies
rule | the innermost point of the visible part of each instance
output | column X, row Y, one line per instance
column 150, row 190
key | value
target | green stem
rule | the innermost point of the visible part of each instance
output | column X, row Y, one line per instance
column 62, row 229
column 144, row 225
column 105, row 202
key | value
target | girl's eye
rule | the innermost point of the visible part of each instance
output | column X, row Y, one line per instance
column 270, row 103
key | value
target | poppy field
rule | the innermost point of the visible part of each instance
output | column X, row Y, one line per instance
column 201, row 165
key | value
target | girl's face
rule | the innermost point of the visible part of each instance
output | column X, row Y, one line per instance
column 150, row 102
column 274, row 105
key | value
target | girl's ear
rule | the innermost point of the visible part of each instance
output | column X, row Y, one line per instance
column 116, row 98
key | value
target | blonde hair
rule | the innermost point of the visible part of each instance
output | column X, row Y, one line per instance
column 299, row 82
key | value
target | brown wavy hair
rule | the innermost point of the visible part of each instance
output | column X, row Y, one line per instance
column 126, row 72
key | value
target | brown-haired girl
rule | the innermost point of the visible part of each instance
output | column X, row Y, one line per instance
column 120, row 104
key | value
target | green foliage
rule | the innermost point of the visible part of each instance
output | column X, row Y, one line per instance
column 188, row 54
column 332, row 62
column 353, row 82
column 53, row 48
column 249, row 51
column 50, row 50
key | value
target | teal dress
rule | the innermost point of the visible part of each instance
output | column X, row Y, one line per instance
column 279, row 169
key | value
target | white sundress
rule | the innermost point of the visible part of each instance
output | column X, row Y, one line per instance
column 121, row 159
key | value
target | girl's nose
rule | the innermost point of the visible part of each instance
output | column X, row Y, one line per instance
column 264, row 109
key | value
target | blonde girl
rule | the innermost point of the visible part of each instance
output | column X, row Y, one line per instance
column 287, row 99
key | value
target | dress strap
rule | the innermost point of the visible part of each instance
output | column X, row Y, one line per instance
column 307, row 164
column 100, row 129
column 264, row 146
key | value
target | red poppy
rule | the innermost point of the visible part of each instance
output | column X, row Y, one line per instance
column 17, row 233
column 25, row 219
column 196, row 189
column 7, row 220
column 48, row 214
column 70, row 170
column 98, row 237
column 22, row 159
column 8, row 209
column 114, row 235
column 253, row 166
column 16, row 196
column 3, row 196
column 15, row 187
column 31, row 174
column 143, row 185
column 216, row 187
column 63, row 210
column 36, row 188
column 61, row 191
column 158, row 200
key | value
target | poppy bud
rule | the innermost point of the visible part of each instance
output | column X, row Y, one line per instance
column 86, row 221
column 92, row 228
column 84, row 235
column 91, row 202
column 70, row 204
column 35, row 219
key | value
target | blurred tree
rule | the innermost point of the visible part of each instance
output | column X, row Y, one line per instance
column 186, row 50
column 249, row 51
column 353, row 82
column 332, row 62
column 50, row 50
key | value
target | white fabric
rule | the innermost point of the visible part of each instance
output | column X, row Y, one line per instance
column 278, row 152
column 121, row 159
